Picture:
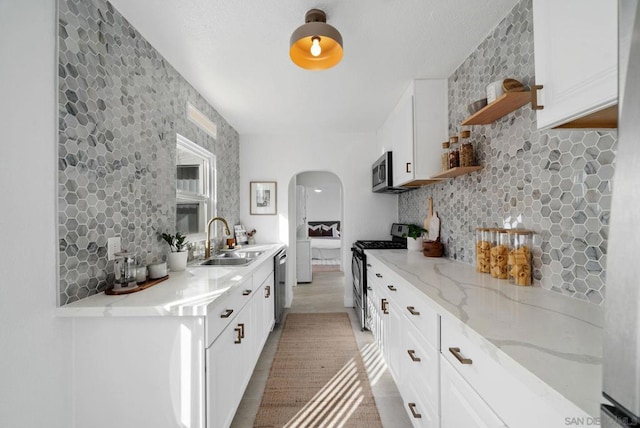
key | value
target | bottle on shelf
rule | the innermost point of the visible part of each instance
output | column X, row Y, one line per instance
column 445, row 156
column 454, row 154
column 467, row 155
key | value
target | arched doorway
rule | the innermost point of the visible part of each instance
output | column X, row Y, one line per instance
column 317, row 224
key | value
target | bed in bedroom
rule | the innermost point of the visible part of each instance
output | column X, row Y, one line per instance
column 325, row 240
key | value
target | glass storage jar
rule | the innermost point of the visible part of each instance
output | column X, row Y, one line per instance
column 454, row 154
column 444, row 160
column 466, row 150
column 519, row 261
column 499, row 253
column 483, row 250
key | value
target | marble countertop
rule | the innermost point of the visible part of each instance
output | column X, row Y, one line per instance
column 186, row 293
column 538, row 335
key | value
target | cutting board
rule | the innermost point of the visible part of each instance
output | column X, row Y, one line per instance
column 427, row 221
column 434, row 228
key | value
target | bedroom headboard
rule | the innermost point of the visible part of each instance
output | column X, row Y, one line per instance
column 324, row 228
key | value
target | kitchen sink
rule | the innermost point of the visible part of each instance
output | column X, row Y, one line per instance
column 232, row 258
column 227, row 261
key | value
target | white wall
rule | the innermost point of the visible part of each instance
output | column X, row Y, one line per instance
column 324, row 205
column 35, row 356
column 366, row 215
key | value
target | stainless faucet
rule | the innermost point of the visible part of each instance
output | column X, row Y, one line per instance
column 207, row 244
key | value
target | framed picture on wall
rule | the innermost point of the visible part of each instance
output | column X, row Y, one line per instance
column 263, row 198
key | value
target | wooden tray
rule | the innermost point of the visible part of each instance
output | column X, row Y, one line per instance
column 149, row 283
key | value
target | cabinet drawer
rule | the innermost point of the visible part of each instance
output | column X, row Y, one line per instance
column 421, row 412
column 260, row 275
column 420, row 366
column 515, row 402
column 415, row 308
column 461, row 405
column 224, row 309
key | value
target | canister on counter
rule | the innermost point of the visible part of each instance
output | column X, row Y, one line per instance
column 519, row 260
column 483, row 250
column 499, row 253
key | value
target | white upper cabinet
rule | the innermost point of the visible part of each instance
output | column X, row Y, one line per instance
column 415, row 130
column 576, row 62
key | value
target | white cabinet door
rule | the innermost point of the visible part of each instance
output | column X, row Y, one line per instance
column 403, row 141
column 223, row 388
column 419, row 126
column 575, row 58
column 461, row 406
column 303, row 261
column 268, row 313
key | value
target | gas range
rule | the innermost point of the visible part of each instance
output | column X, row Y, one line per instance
column 359, row 266
column 381, row 245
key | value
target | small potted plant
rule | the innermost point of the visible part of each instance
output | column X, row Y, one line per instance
column 415, row 233
column 179, row 254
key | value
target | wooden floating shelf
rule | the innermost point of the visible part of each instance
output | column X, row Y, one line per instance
column 455, row 172
column 504, row 105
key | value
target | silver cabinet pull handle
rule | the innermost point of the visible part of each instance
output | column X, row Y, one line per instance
column 392, row 288
column 369, row 288
column 414, row 412
column 378, row 275
column 227, row 313
column 238, row 330
column 246, row 292
column 456, row 353
column 267, row 290
column 368, row 265
column 408, row 167
column 383, row 306
column 412, row 310
column 412, row 354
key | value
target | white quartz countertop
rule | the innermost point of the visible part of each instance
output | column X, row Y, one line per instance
column 186, row 293
column 554, row 338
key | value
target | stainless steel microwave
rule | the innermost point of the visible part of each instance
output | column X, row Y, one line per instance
column 382, row 175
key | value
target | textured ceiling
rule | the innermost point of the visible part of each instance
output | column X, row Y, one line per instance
column 236, row 54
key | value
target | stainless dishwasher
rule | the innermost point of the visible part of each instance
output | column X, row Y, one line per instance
column 280, row 280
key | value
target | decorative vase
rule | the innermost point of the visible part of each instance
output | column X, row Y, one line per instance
column 251, row 240
column 178, row 261
column 414, row 244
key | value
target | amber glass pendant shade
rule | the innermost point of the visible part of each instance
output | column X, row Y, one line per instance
column 328, row 50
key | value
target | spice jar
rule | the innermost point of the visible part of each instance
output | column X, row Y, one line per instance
column 445, row 156
column 499, row 253
column 454, row 154
column 466, row 150
column 520, row 257
column 483, row 250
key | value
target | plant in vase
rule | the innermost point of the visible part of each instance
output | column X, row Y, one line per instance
column 178, row 256
column 415, row 233
column 250, row 237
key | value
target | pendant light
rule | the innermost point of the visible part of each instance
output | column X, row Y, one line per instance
column 316, row 45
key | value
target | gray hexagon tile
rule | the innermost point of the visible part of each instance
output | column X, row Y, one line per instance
column 556, row 183
column 120, row 107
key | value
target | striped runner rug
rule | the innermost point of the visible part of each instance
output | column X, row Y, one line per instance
column 317, row 377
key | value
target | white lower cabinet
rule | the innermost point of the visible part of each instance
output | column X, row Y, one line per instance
column 460, row 405
column 172, row 371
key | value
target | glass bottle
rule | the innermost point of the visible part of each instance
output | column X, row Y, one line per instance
column 445, row 156
column 499, row 254
column 454, row 154
column 483, row 250
column 519, row 261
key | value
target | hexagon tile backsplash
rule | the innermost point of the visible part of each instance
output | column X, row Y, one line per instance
column 556, row 183
column 120, row 107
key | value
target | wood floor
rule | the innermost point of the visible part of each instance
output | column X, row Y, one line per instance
column 325, row 294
